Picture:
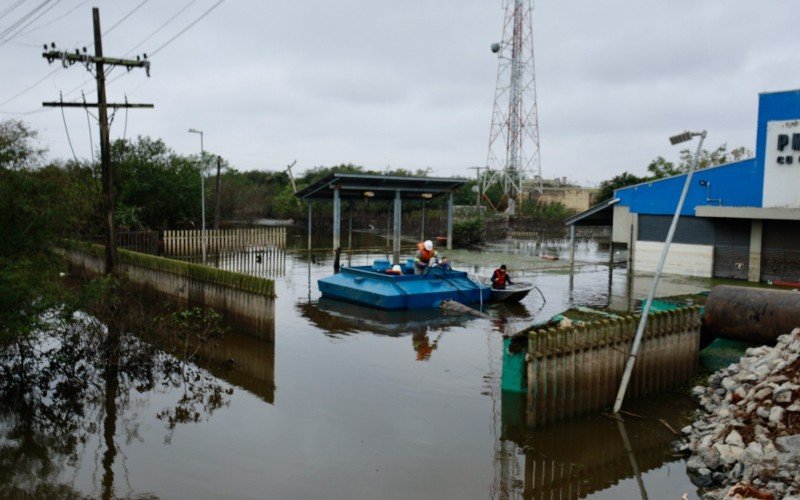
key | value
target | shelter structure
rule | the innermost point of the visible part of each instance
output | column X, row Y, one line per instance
column 341, row 186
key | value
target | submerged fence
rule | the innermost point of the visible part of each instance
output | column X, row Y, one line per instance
column 190, row 242
column 578, row 369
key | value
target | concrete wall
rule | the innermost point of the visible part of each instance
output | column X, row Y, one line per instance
column 621, row 228
column 578, row 369
column 686, row 259
column 578, row 199
column 245, row 302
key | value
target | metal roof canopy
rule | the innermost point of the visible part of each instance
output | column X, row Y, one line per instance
column 338, row 186
column 382, row 187
column 601, row 214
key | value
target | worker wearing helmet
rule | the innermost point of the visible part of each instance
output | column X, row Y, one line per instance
column 396, row 270
column 424, row 257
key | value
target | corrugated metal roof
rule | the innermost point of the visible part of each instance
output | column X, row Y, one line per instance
column 354, row 186
column 599, row 215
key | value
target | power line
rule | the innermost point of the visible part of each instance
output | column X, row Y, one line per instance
column 31, row 87
column 66, row 130
column 62, row 16
column 20, row 25
column 11, row 8
column 184, row 30
column 163, row 25
column 126, row 16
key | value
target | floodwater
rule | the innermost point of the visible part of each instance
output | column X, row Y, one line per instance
column 353, row 403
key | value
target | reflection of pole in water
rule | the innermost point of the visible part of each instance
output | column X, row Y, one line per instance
column 111, row 376
column 632, row 458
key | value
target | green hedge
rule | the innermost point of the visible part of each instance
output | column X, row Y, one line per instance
column 197, row 272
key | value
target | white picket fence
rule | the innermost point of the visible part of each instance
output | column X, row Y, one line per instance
column 190, row 242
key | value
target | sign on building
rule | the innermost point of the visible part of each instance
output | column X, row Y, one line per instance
column 782, row 164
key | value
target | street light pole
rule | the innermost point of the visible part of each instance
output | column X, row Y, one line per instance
column 626, row 376
column 202, row 193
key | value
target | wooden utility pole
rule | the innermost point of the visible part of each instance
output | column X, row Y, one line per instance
column 291, row 179
column 217, row 195
column 68, row 59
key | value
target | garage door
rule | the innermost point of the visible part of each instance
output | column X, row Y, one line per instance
column 780, row 251
column 731, row 248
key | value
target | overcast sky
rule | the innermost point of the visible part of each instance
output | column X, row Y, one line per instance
column 411, row 83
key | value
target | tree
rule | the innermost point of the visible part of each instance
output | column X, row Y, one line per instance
column 156, row 188
column 17, row 149
column 660, row 167
column 622, row 180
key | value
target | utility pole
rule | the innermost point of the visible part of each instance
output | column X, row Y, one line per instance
column 478, row 185
column 68, row 59
column 217, row 195
column 291, row 179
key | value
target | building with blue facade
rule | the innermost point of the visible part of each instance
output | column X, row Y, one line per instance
column 740, row 220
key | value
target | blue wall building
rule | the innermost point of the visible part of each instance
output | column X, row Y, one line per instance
column 740, row 220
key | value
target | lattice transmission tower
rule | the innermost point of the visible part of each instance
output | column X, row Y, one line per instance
column 514, row 155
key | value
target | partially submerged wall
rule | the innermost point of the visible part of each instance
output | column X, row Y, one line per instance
column 244, row 301
column 578, row 369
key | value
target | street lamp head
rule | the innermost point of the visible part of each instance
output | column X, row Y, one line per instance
column 685, row 136
column 194, row 131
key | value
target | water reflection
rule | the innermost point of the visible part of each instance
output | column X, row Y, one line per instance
column 334, row 318
column 578, row 457
column 74, row 396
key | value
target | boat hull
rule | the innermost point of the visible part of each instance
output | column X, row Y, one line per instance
column 362, row 285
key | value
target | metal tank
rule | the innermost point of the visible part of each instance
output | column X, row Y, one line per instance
column 748, row 314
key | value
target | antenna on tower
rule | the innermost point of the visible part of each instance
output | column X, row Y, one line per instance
column 514, row 155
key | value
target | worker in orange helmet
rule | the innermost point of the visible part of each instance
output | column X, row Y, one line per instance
column 424, row 257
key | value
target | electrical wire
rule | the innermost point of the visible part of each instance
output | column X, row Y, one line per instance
column 162, row 26
column 11, row 8
column 62, row 16
column 125, row 130
column 31, row 87
column 66, row 130
column 89, row 123
column 184, row 30
column 9, row 34
column 126, row 16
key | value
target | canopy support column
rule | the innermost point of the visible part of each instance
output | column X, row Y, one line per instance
column 350, row 225
column 337, row 218
column 572, row 245
column 422, row 223
column 397, row 217
column 450, row 221
column 310, row 203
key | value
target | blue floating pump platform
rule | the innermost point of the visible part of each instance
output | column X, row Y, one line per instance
column 372, row 286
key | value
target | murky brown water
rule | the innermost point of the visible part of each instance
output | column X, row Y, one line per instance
column 353, row 403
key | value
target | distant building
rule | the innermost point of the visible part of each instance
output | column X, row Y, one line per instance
column 740, row 220
column 559, row 190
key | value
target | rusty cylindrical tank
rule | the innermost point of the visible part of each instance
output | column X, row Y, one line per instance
column 756, row 315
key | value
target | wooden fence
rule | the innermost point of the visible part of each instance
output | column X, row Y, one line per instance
column 138, row 241
column 190, row 242
column 578, row 369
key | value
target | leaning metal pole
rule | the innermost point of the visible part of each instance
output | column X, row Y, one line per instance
column 637, row 340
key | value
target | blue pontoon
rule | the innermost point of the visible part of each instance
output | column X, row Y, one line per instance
column 372, row 286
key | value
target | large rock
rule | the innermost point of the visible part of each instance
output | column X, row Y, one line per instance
column 734, row 439
column 728, row 454
column 790, row 445
column 776, row 414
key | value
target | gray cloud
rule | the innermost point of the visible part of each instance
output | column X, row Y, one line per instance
column 410, row 84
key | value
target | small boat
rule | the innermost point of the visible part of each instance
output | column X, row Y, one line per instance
column 372, row 286
column 512, row 293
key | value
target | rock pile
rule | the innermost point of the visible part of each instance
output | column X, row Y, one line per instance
column 750, row 432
